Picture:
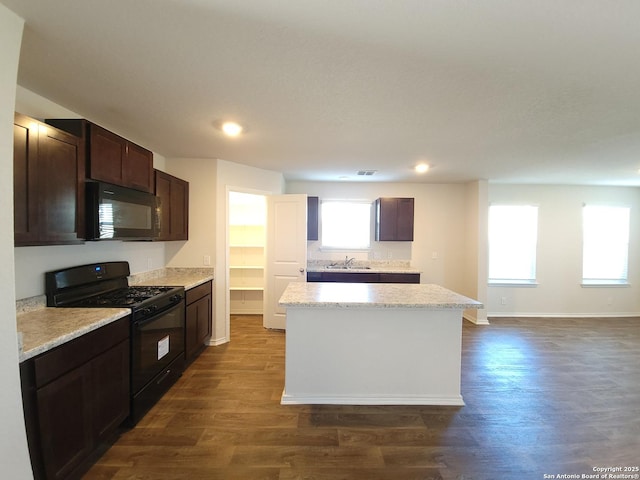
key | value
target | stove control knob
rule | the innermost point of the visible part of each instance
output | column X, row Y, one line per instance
column 146, row 311
column 176, row 298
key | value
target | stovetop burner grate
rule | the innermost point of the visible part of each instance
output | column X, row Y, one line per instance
column 129, row 296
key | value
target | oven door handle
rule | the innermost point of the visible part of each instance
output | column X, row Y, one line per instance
column 145, row 321
column 164, row 375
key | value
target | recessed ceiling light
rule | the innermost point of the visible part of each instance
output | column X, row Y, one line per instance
column 231, row 129
column 421, row 168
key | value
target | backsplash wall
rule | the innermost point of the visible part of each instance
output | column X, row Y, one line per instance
column 32, row 262
column 379, row 252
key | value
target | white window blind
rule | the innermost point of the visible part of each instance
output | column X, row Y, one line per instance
column 605, row 244
column 513, row 237
column 345, row 224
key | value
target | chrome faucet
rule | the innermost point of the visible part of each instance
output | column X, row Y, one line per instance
column 348, row 261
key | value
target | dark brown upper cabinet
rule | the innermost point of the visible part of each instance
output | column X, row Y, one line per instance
column 394, row 219
column 110, row 157
column 312, row 218
column 173, row 193
column 48, row 184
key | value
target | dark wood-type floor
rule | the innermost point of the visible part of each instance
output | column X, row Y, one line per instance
column 543, row 396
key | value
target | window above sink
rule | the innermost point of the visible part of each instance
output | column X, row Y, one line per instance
column 345, row 224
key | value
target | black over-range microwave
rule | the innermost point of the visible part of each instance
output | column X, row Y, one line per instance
column 119, row 213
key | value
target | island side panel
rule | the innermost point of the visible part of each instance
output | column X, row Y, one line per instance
column 373, row 356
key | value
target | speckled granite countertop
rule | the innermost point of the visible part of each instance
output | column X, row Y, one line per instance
column 186, row 277
column 41, row 330
column 374, row 295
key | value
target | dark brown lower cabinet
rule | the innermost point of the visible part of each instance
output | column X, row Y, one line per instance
column 198, row 319
column 399, row 278
column 111, row 399
column 350, row 277
column 363, row 277
column 64, row 412
column 75, row 398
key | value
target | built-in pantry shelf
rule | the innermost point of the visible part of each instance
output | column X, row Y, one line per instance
column 246, row 268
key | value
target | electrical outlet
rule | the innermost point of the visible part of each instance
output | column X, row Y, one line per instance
column 149, row 263
column 434, row 255
column 206, row 260
column 503, row 300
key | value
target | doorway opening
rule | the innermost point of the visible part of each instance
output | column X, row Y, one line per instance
column 247, row 242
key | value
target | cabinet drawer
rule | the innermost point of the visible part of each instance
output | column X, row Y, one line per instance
column 399, row 278
column 79, row 351
column 314, row 276
column 350, row 277
column 198, row 292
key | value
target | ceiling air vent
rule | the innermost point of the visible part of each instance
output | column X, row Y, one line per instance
column 366, row 173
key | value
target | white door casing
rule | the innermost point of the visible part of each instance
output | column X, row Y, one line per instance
column 286, row 252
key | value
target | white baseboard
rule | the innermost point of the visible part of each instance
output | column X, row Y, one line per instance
column 214, row 342
column 561, row 315
column 455, row 400
column 475, row 320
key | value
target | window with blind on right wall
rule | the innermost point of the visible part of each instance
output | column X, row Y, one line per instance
column 605, row 245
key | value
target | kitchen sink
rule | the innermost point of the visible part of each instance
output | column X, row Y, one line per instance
column 346, row 267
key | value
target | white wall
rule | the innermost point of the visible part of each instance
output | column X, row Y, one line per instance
column 559, row 254
column 201, row 174
column 476, row 248
column 14, row 456
column 236, row 177
column 36, row 106
column 439, row 226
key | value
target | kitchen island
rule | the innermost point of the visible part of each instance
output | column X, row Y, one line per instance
column 373, row 344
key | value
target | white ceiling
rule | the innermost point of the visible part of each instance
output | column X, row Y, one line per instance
column 505, row 90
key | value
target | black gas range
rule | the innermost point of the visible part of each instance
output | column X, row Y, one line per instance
column 157, row 323
column 106, row 285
